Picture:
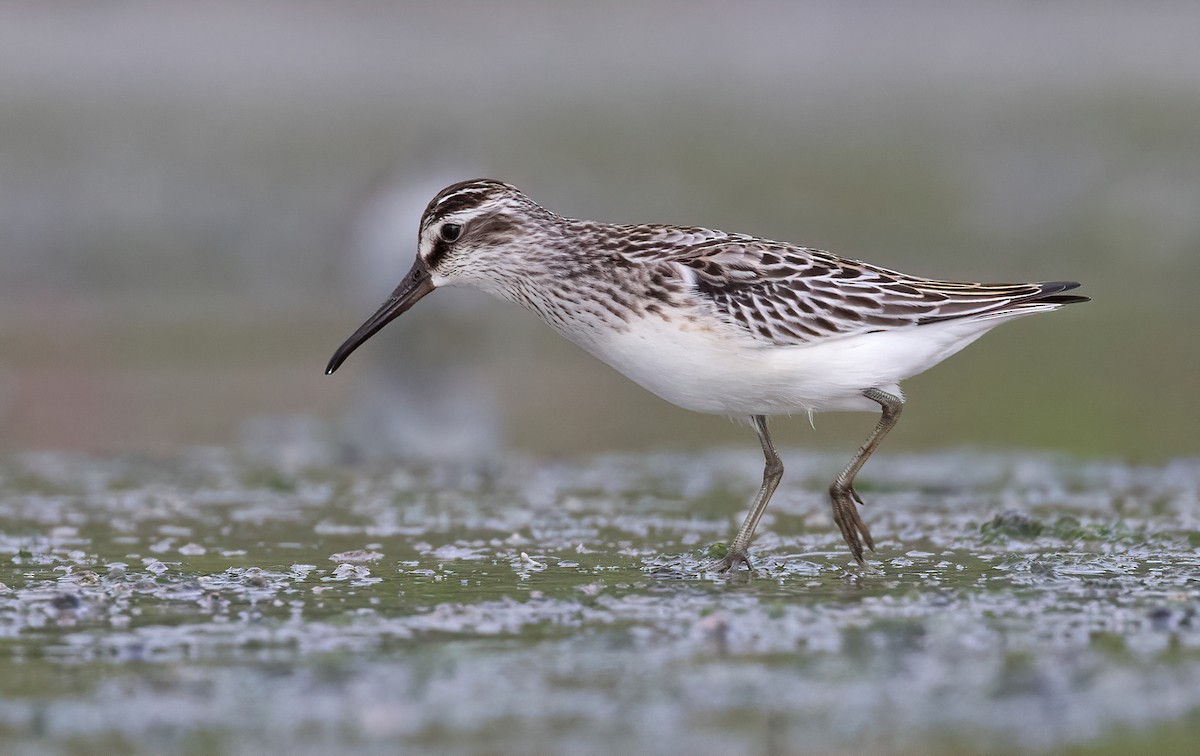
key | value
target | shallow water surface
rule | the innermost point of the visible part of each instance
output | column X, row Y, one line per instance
column 225, row 603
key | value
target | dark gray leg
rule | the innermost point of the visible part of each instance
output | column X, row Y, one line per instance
column 772, row 474
column 842, row 492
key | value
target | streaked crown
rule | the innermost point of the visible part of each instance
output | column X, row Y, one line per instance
column 469, row 230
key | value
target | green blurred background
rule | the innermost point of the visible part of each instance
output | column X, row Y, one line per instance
column 199, row 201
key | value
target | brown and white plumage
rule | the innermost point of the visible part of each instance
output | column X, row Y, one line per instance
column 712, row 321
column 789, row 295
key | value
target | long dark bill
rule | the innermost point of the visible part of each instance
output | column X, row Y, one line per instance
column 414, row 286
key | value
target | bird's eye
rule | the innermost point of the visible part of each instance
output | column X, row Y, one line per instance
column 451, row 232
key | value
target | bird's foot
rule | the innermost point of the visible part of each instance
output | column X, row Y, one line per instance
column 735, row 556
column 848, row 520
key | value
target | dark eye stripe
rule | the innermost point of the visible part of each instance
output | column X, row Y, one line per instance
column 440, row 249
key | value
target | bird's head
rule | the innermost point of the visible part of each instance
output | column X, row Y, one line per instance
column 468, row 235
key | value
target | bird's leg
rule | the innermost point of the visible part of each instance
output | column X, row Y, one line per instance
column 842, row 492
column 772, row 473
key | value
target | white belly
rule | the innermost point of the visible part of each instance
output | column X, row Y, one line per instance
column 725, row 372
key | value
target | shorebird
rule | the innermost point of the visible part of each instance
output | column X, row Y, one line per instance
column 711, row 321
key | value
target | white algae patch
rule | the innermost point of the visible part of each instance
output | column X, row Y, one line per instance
column 358, row 555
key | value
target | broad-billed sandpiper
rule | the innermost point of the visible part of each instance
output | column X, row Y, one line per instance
column 711, row 321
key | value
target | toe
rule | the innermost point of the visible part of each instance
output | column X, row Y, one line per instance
column 850, row 522
column 733, row 559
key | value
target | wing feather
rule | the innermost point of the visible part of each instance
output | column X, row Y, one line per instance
column 785, row 294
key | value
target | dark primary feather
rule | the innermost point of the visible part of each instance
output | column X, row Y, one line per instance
column 785, row 294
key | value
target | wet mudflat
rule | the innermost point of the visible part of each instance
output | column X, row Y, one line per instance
column 221, row 602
